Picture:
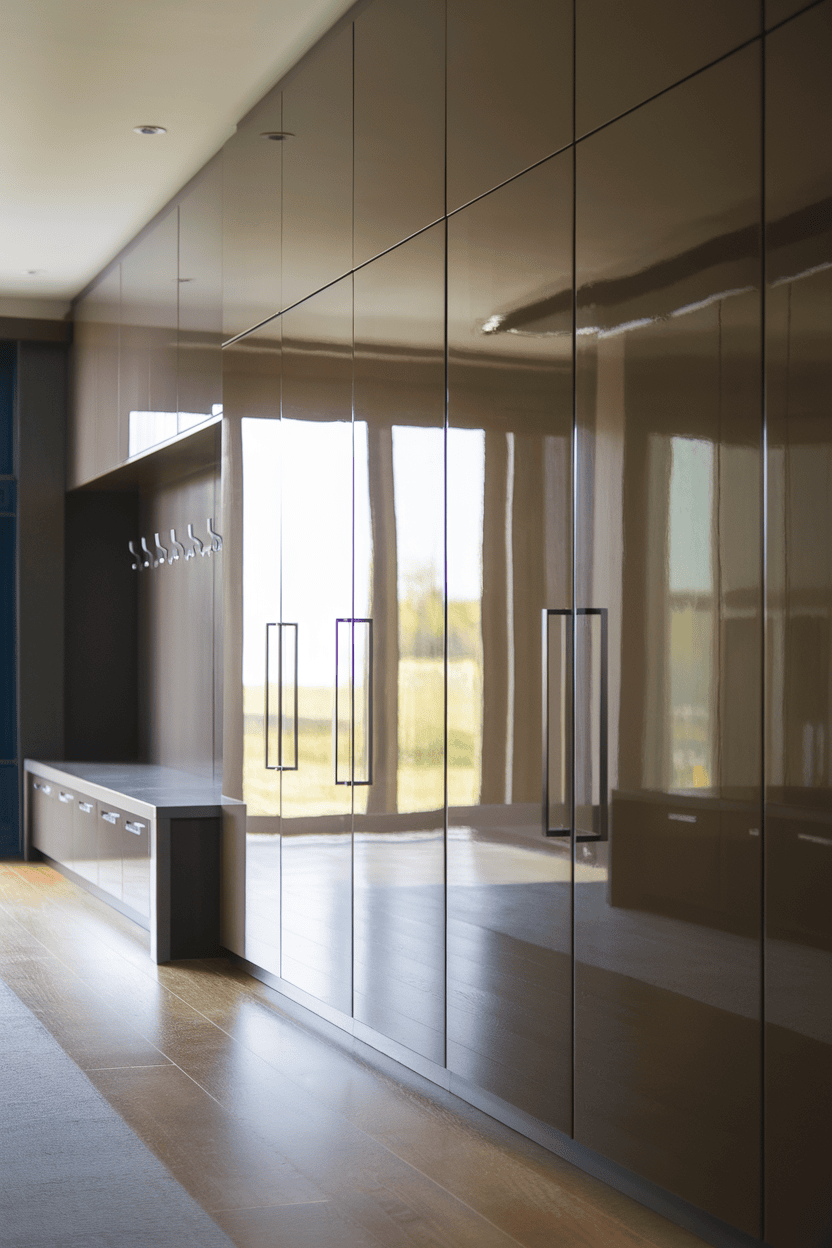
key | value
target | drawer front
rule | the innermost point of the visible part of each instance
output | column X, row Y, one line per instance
column 51, row 819
column 85, row 839
column 110, row 828
column 135, row 843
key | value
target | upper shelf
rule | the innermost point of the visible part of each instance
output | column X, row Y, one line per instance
column 194, row 451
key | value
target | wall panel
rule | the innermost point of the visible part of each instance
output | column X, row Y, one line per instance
column 667, row 795
column 798, row 958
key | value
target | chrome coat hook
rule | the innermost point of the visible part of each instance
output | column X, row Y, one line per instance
column 161, row 552
column 216, row 539
column 177, row 550
column 139, row 564
column 149, row 562
column 197, row 547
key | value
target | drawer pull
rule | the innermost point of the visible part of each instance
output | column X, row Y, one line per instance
column 86, row 807
column 138, row 828
column 110, row 816
column 65, row 797
column 44, row 788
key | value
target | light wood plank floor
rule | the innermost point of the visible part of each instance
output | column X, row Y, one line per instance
column 282, row 1136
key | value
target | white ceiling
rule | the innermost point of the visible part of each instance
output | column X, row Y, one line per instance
column 76, row 76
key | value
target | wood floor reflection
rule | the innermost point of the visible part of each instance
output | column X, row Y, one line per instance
column 281, row 1135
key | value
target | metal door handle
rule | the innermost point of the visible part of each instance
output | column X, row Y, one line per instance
column 110, row 816
column 65, row 797
column 352, row 621
column 600, row 820
column 280, row 765
column 560, row 799
column 137, row 828
column 85, row 806
column 558, row 739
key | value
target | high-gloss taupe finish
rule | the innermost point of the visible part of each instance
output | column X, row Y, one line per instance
column 399, row 122
column 199, row 359
column 317, row 169
column 251, row 168
column 316, row 567
column 95, row 443
column 399, row 469
column 148, row 343
column 509, row 82
column 798, row 951
column 780, row 10
column 626, row 53
column 509, row 557
column 279, row 1133
column 251, row 483
column 667, row 940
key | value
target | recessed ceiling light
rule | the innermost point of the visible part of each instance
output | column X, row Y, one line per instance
column 277, row 136
column 149, row 130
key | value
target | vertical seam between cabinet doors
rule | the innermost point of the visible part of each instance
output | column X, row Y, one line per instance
column 764, row 628
column 446, row 413
column 445, row 648
column 574, row 536
column 352, row 586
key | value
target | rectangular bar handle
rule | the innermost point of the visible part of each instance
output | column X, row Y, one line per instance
column 65, row 797
column 137, row 828
column 281, row 764
column 110, row 816
column 558, row 730
column 599, row 823
column 367, row 737
column 86, row 807
column 44, row 788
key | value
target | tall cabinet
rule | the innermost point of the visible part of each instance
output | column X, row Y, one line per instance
column 526, row 625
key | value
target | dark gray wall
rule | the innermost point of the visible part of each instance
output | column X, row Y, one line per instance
column 41, row 410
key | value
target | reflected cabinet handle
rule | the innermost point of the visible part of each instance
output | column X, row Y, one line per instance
column 281, row 764
column 560, row 645
column 558, row 760
column 351, row 623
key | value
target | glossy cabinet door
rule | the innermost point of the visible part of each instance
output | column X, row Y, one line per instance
column 509, row 541
column 149, row 317
column 317, row 170
column 95, row 443
column 315, row 745
column 199, row 339
column 252, row 168
column 399, row 706
column 668, row 702
column 509, row 90
column 627, row 53
column 251, row 548
column 399, row 122
column 798, row 826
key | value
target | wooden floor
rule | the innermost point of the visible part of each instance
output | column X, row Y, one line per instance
column 284, row 1138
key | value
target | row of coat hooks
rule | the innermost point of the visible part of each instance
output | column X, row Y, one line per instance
column 147, row 558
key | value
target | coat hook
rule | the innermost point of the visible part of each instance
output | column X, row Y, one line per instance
column 196, row 548
column 161, row 552
column 177, row 550
column 149, row 562
column 139, row 564
column 216, row 539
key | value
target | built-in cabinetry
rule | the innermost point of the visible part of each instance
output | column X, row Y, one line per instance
column 146, row 359
column 497, row 499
